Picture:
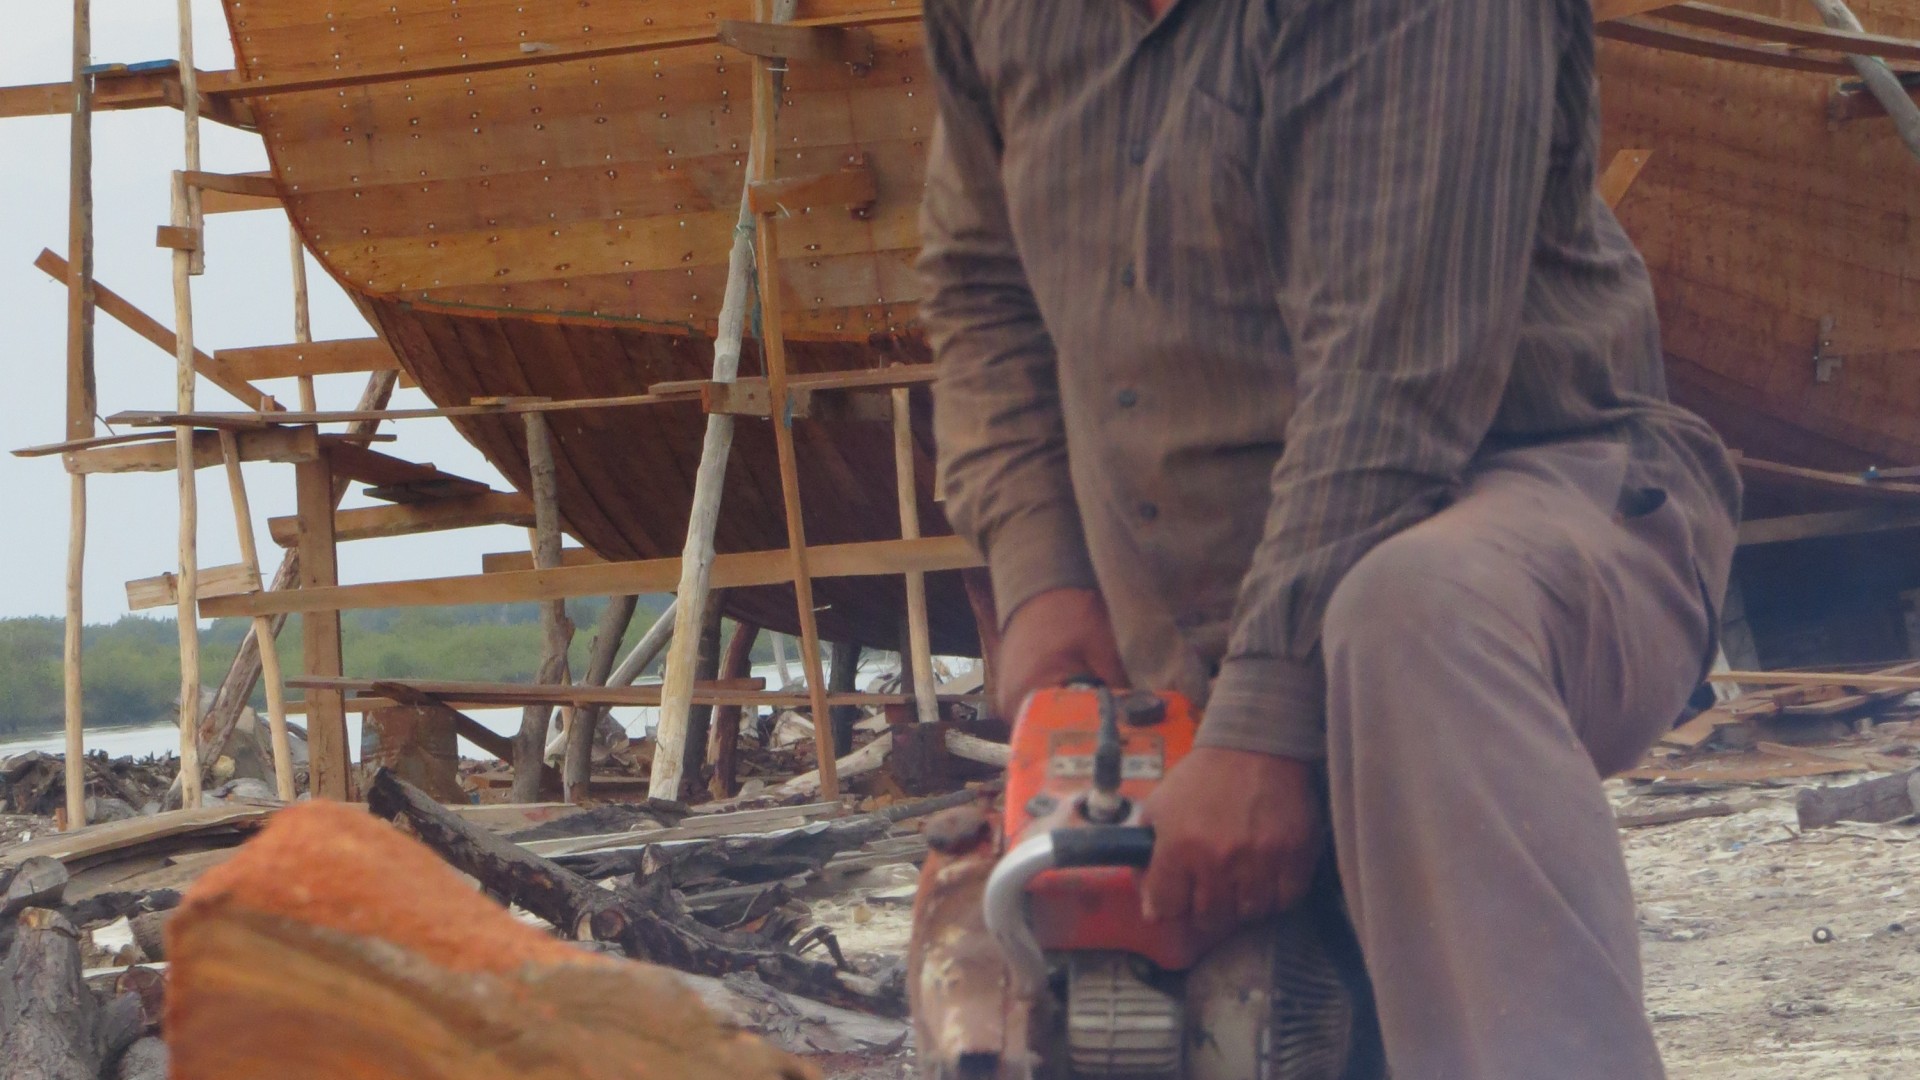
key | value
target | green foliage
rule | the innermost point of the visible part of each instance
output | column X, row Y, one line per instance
column 131, row 668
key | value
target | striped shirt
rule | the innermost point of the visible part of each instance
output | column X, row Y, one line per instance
column 1223, row 299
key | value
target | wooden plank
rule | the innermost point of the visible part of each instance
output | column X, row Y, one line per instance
column 309, row 359
column 1620, row 174
column 1608, row 10
column 408, row 519
column 177, row 238
column 1855, row 679
column 243, row 420
column 147, row 89
column 522, row 60
column 147, row 327
column 81, row 848
column 851, row 186
column 796, row 41
column 1787, row 32
column 258, row 184
column 1795, row 476
column 503, row 562
column 287, row 445
column 682, row 392
column 1637, row 31
column 513, row 695
column 327, row 748
column 161, row 590
column 871, row 558
column 220, row 202
column 398, row 480
column 1865, row 519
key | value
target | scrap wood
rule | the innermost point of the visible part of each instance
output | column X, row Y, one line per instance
column 796, row 1024
column 1887, row 798
column 766, row 819
column 1669, row 817
column 647, row 923
column 1738, row 769
column 758, row 858
column 1865, row 759
column 112, row 840
column 334, row 946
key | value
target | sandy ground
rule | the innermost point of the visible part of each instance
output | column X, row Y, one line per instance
column 1736, row 983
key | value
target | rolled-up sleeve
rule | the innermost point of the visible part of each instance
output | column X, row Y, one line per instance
column 1407, row 146
column 997, row 419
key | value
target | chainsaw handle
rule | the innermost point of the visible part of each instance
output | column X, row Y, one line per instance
column 1104, row 845
column 1004, row 905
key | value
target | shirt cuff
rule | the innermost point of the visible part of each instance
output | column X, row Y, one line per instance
column 1039, row 550
column 1268, row 705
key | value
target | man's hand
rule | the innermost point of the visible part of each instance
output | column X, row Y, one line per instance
column 1053, row 637
column 1237, row 835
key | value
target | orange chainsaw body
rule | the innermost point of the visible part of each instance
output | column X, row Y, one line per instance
column 1050, row 771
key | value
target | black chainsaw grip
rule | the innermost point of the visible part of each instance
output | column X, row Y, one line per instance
column 1104, row 845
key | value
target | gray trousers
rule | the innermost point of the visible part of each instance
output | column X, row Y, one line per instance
column 1486, row 669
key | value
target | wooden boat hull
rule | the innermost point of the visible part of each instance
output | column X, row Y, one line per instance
column 561, row 229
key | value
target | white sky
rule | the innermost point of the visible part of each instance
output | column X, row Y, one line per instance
column 245, row 298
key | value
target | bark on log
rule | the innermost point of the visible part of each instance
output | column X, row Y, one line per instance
column 386, row 965
column 146, row 1059
column 1888, row 798
column 48, row 1018
column 578, row 767
column 648, row 923
column 723, row 736
column 39, row 882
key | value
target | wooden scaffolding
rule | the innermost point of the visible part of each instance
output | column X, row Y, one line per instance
column 421, row 498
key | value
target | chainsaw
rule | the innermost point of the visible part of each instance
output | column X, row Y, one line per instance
column 1030, row 959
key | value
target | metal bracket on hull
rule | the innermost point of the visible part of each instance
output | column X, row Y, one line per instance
column 1826, row 363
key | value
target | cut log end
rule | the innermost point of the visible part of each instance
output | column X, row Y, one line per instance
column 335, row 946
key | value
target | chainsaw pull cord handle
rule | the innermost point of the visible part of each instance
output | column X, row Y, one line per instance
column 1006, row 896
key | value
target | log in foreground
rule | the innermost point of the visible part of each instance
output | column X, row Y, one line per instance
column 334, row 946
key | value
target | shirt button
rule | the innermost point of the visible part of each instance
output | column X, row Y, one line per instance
column 1126, row 275
column 1137, row 153
column 1127, row 398
column 1148, row 511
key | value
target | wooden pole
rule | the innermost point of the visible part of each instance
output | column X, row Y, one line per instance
column 700, row 717
column 262, row 626
column 330, row 772
column 774, row 346
column 1882, row 83
column 920, row 649
column 245, row 671
column 723, row 739
column 646, row 650
column 80, row 398
column 578, row 767
column 302, row 313
column 530, row 746
column 696, row 554
column 186, row 612
column 185, row 199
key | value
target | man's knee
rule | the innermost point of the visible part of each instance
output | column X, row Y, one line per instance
column 1414, row 591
